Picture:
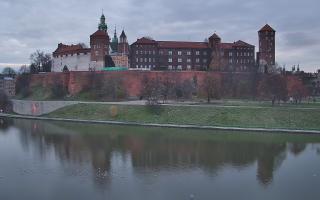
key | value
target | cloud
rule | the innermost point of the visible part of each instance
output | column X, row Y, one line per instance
column 35, row 24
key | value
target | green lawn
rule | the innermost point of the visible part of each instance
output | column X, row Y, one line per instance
column 278, row 117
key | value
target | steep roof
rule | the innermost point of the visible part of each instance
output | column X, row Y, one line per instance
column 241, row 43
column 145, row 40
column 123, row 34
column 215, row 36
column 267, row 27
column 182, row 45
column 100, row 33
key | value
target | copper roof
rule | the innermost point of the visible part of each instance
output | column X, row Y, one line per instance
column 182, row 45
column 267, row 27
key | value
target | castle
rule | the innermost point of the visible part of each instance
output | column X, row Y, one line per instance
column 102, row 53
column 149, row 54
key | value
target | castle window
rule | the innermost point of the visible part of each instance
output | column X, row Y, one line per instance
column 179, row 67
column 188, row 53
column 197, row 60
column 170, row 60
column 180, row 60
column 170, row 53
column 137, row 59
column 189, row 67
column 179, row 53
column 170, row 67
column 205, row 53
column 189, row 60
column 205, row 60
column 197, row 53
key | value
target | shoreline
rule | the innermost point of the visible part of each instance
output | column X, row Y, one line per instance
column 222, row 128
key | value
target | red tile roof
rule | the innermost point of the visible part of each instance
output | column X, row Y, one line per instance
column 241, row 43
column 145, row 40
column 70, row 49
column 267, row 27
column 182, row 45
column 99, row 33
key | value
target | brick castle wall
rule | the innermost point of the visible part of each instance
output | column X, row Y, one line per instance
column 132, row 80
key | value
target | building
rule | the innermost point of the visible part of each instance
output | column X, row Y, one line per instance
column 8, row 85
column 236, row 57
column 148, row 54
column 81, row 58
column 266, row 57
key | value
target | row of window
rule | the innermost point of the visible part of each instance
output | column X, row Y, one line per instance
column 145, row 60
column 180, row 60
column 241, row 61
column 179, row 67
column 241, row 54
column 145, row 66
column 145, row 52
column 180, row 53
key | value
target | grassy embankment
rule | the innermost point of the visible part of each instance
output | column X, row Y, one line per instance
column 278, row 117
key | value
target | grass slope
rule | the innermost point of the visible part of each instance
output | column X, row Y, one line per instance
column 213, row 116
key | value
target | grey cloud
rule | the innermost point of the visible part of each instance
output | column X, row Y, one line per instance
column 38, row 24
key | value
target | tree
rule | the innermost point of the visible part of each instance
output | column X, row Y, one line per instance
column 273, row 87
column 151, row 90
column 8, row 71
column 24, row 69
column 296, row 89
column 212, row 86
column 23, row 85
column 40, row 62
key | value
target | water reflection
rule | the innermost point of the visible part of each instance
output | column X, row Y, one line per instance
column 81, row 144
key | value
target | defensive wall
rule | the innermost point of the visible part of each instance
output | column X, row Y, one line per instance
column 75, row 82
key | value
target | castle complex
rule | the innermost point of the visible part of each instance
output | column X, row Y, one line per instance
column 102, row 53
column 149, row 54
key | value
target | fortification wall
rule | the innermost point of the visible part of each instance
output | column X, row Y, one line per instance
column 132, row 80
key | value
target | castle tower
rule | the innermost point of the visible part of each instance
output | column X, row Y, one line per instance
column 100, row 44
column 214, row 44
column 266, row 55
column 114, row 43
column 123, row 47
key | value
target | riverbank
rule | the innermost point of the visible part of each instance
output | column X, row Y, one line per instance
column 238, row 117
column 273, row 119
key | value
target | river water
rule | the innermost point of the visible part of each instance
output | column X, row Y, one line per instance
column 49, row 160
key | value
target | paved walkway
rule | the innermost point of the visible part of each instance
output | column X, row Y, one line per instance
column 262, row 130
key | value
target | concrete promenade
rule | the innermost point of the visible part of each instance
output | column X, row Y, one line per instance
column 236, row 129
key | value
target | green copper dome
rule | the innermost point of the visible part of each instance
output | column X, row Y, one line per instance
column 103, row 26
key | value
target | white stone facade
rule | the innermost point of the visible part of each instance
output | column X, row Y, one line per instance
column 74, row 62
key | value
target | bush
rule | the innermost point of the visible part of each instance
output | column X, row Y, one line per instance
column 23, row 85
column 58, row 90
column 5, row 103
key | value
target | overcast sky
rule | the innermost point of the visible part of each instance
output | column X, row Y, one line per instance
column 28, row 25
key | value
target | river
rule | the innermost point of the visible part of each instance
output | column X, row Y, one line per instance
column 42, row 160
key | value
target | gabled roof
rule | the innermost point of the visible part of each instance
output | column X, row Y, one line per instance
column 145, row 40
column 267, row 27
column 241, row 43
column 123, row 34
column 215, row 36
column 182, row 45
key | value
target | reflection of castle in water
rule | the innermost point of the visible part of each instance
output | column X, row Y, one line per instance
column 152, row 151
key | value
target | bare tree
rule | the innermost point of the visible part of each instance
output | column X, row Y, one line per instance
column 211, row 86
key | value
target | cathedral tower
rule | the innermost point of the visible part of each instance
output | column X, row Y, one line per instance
column 100, row 44
column 123, row 47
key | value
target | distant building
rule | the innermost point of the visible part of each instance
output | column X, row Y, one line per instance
column 8, row 85
column 148, row 54
column 81, row 58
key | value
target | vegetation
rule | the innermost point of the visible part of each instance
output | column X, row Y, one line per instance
column 40, row 62
column 200, row 115
column 5, row 103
